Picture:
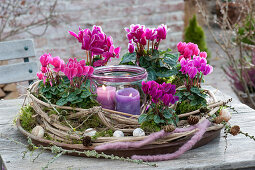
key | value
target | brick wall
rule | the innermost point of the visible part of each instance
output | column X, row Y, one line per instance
column 113, row 16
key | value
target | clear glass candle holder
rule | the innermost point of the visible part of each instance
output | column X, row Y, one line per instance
column 120, row 87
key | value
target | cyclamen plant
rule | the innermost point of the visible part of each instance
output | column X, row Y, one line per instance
column 99, row 47
column 75, row 71
column 144, row 51
column 160, row 97
column 193, row 64
column 72, row 89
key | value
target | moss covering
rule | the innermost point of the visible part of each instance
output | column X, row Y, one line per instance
column 185, row 107
column 150, row 126
column 195, row 34
column 106, row 133
column 26, row 119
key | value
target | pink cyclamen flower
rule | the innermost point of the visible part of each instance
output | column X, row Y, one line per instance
column 150, row 34
column 181, row 46
column 131, row 47
column 56, row 62
column 203, row 54
column 192, row 72
column 161, row 32
column 45, row 59
column 44, row 69
column 135, row 33
column 40, row 75
column 99, row 63
column 79, row 37
column 208, row 69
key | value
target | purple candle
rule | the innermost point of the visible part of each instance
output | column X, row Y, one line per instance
column 128, row 101
column 106, row 96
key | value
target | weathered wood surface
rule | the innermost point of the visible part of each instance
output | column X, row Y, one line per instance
column 16, row 49
column 240, row 152
column 18, row 72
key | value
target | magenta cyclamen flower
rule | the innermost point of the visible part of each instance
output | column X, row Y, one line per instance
column 187, row 50
column 192, row 72
column 160, row 92
column 97, row 43
column 45, row 59
column 194, row 66
column 131, row 47
column 150, row 34
column 56, row 62
column 161, row 32
column 136, row 33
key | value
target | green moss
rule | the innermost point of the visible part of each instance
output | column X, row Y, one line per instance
column 185, row 107
column 26, row 119
column 150, row 126
column 195, row 34
column 76, row 141
column 106, row 133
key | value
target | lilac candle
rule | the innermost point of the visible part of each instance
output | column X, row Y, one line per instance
column 106, row 96
column 128, row 101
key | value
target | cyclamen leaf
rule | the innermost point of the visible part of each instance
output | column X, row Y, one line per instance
column 151, row 74
column 72, row 97
column 128, row 57
column 85, row 94
column 157, row 119
column 167, row 114
column 61, row 101
column 142, row 118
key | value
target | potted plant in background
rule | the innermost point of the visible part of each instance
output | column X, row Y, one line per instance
column 234, row 40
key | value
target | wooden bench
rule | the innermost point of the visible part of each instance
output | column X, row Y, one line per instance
column 23, row 71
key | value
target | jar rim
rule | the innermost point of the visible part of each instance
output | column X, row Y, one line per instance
column 138, row 73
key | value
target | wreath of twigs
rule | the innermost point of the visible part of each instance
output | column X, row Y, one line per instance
column 111, row 119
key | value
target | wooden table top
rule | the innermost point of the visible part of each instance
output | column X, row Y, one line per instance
column 240, row 151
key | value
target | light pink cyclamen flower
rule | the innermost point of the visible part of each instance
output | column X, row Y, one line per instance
column 39, row 75
column 56, row 62
column 45, row 59
column 203, row 54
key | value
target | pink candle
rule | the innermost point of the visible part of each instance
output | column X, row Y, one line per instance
column 106, row 96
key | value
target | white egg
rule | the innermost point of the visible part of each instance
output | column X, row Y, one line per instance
column 118, row 133
column 38, row 131
column 138, row 132
column 90, row 132
column 226, row 116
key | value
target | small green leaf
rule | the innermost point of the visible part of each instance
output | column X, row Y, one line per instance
column 72, row 97
column 151, row 74
column 61, row 102
column 77, row 91
column 193, row 103
column 167, row 114
column 157, row 119
column 142, row 118
column 128, row 57
column 85, row 94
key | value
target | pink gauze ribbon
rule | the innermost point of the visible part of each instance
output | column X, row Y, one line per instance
column 152, row 137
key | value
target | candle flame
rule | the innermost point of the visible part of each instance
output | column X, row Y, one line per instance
column 130, row 95
column 104, row 88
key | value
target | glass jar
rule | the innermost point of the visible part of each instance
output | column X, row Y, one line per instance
column 119, row 87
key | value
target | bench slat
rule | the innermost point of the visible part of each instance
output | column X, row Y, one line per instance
column 16, row 49
column 18, row 72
